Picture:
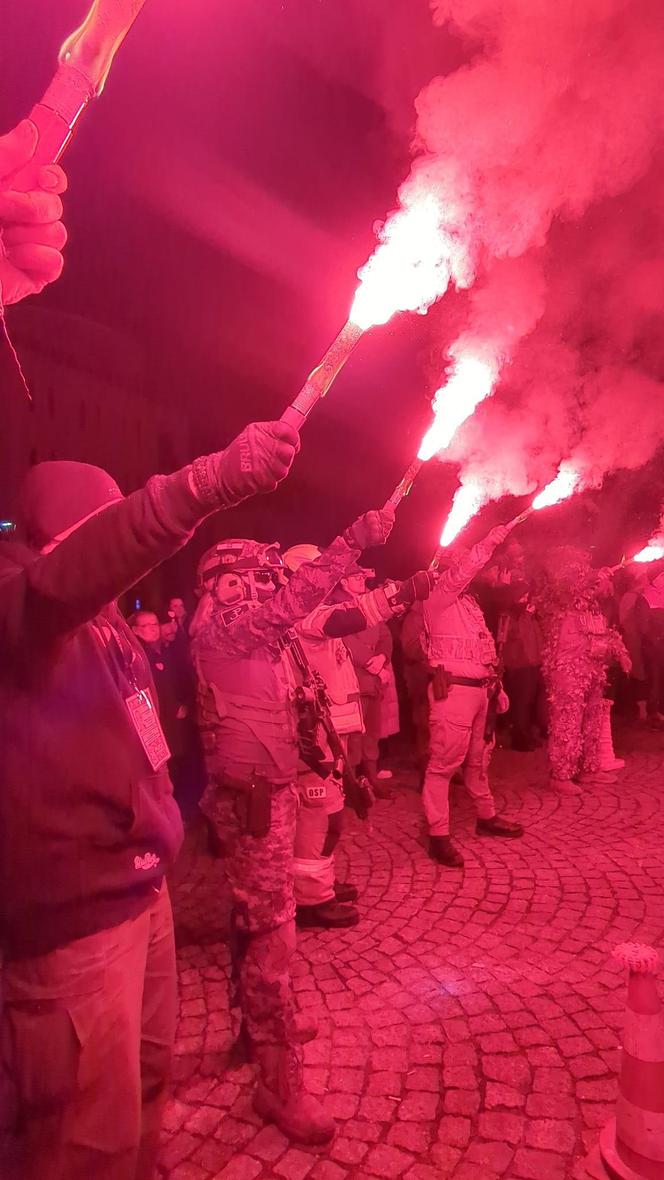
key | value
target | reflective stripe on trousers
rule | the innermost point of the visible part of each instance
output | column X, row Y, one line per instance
column 318, row 829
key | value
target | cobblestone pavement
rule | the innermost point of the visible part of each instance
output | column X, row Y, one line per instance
column 469, row 1025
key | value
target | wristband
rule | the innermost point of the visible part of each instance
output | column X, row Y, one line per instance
column 379, row 605
column 204, row 489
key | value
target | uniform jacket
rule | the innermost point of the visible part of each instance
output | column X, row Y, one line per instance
column 363, row 646
column 580, row 633
column 245, row 699
column 331, row 659
column 456, row 633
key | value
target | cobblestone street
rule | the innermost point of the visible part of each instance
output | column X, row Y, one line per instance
column 469, row 1025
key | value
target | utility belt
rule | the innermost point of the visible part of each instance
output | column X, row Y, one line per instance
column 442, row 681
column 258, row 791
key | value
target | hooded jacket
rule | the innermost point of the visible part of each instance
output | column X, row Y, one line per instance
column 87, row 827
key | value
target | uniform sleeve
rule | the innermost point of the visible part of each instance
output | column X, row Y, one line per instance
column 334, row 622
column 453, row 581
column 265, row 624
column 52, row 594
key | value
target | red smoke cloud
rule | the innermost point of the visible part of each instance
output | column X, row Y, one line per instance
column 546, row 144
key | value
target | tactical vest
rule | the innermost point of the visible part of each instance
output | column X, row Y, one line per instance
column 458, row 637
column 330, row 658
column 246, row 715
column 583, row 633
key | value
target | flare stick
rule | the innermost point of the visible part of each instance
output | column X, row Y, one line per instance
column 522, row 516
column 319, row 381
column 84, row 63
column 405, row 484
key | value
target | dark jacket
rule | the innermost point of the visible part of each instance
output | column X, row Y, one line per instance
column 174, row 682
column 87, row 828
column 363, row 646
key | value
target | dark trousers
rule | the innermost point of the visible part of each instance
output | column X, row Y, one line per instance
column 363, row 747
column 523, row 688
column 653, row 658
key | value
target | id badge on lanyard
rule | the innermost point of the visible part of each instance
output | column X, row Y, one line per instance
column 139, row 703
column 146, row 722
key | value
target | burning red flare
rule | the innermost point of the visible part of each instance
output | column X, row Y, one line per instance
column 652, row 552
column 414, row 263
column 468, row 499
column 471, row 382
column 560, row 488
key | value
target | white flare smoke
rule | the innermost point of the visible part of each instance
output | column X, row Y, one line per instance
column 545, row 121
column 654, row 550
column 471, row 381
column 650, row 553
column 468, row 499
column 561, row 488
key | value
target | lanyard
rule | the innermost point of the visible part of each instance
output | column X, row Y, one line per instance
column 123, row 658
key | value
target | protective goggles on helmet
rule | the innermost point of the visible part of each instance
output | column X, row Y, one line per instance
column 239, row 557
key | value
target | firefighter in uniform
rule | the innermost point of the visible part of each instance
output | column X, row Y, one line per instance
column 321, row 899
column 462, row 657
column 248, row 724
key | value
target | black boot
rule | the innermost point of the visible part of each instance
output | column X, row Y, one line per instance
column 496, row 826
column 344, row 891
column 445, row 852
column 328, row 915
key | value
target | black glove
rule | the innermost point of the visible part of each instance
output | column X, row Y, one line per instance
column 255, row 462
column 358, row 793
column 416, row 588
column 372, row 528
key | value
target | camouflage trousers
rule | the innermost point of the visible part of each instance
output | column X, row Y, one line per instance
column 259, row 871
column 575, row 692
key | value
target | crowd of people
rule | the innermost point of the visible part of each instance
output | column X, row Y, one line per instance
column 269, row 702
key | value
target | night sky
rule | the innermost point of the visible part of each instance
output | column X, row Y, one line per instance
column 222, row 196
